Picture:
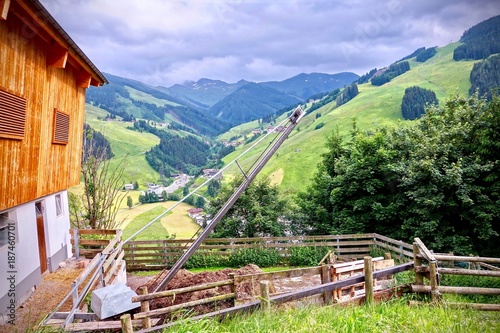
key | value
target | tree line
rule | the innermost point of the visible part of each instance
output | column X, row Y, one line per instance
column 480, row 41
column 348, row 93
column 485, row 77
column 394, row 70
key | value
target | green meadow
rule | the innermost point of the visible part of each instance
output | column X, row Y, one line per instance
column 295, row 162
column 125, row 142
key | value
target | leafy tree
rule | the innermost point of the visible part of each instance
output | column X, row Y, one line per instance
column 258, row 211
column 130, row 203
column 415, row 101
column 136, row 185
column 200, row 202
column 213, row 188
column 437, row 179
column 164, row 195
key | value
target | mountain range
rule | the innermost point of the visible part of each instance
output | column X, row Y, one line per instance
column 231, row 112
column 227, row 104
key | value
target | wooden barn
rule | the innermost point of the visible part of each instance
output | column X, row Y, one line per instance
column 43, row 79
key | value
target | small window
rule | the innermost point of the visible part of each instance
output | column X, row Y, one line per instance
column 12, row 116
column 7, row 229
column 61, row 127
column 59, row 206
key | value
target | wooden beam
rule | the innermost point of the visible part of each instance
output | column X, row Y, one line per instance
column 83, row 79
column 57, row 56
column 460, row 271
column 95, row 83
column 4, row 9
column 424, row 251
column 476, row 306
column 457, row 290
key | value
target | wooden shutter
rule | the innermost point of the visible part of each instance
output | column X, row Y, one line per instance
column 61, row 127
column 12, row 116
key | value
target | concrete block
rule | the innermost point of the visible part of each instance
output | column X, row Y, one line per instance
column 113, row 300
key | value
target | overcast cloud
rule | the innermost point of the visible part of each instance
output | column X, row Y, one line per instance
column 163, row 42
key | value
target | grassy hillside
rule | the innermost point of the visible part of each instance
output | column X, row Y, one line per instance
column 124, row 141
column 295, row 162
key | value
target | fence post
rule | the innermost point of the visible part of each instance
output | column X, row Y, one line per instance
column 77, row 245
column 126, row 321
column 146, row 322
column 233, row 287
column 419, row 277
column 368, row 280
column 326, row 278
column 387, row 256
column 74, row 287
column 265, row 304
column 434, row 281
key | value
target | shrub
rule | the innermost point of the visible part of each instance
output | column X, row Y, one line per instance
column 319, row 126
column 204, row 260
column 307, row 255
column 259, row 256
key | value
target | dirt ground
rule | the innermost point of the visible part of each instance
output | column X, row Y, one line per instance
column 55, row 286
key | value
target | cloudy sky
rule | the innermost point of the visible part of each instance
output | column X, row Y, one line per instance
column 164, row 42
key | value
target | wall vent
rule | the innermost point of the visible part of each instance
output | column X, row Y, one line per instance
column 12, row 116
column 61, row 127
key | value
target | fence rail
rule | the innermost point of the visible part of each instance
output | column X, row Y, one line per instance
column 90, row 242
column 426, row 266
column 101, row 271
column 157, row 254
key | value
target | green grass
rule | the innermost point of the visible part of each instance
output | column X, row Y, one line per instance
column 394, row 316
column 373, row 107
column 176, row 223
column 155, row 231
column 124, row 141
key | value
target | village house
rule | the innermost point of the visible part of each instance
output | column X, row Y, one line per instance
column 209, row 173
column 43, row 79
column 276, row 129
column 128, row 187
column 197, row 215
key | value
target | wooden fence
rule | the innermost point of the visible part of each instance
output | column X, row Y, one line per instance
column 265, row 298
column 101, row 271
column 427, row 265
column 158, row 254
column 90, row 242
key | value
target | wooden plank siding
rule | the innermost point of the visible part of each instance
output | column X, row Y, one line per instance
column 34, row 166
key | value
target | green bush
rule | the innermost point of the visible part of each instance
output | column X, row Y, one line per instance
column 307, row 255
column 473, row 281
column 205, row 260
column 259, row 256
column 319, row 126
